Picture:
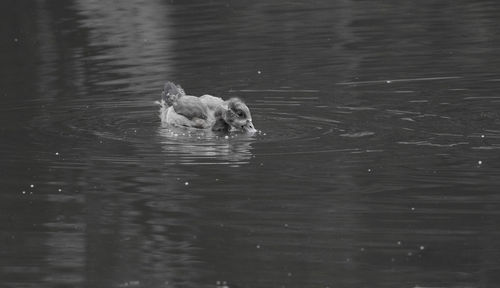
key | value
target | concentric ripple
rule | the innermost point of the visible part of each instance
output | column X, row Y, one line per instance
column 288, row 124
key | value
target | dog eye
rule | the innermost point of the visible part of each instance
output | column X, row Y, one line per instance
column 240, row 113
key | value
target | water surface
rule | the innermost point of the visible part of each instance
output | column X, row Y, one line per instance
column 376, row 164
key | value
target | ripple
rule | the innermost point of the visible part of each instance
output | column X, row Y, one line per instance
column 118, row 121
column 202, row 147
column 388, row 81
column 284, row 129
column 133, row 123
column 427, row 143
column 358, row 134
column 277, row 90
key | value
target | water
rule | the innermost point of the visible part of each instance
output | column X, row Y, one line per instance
column 377, row 164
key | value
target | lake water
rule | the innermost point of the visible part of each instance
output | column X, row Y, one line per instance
column 376, row 165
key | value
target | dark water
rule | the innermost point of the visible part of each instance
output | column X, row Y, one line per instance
column 377, row 164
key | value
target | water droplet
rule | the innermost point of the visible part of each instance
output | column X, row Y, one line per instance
column 59, row 189
column 258, row 246
column 399, row 242
column 186, row 183
column 259, row 72
column 479, row 162
column 482, row 136
column 422, row 247
column 388, row 81
column 226, row 137
column 32, row 186
column 57, row 153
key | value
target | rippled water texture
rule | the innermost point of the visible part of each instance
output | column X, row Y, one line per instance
column 376, row 164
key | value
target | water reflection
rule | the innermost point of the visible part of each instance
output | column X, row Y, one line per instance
column 377, row 165
column 201, row 147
